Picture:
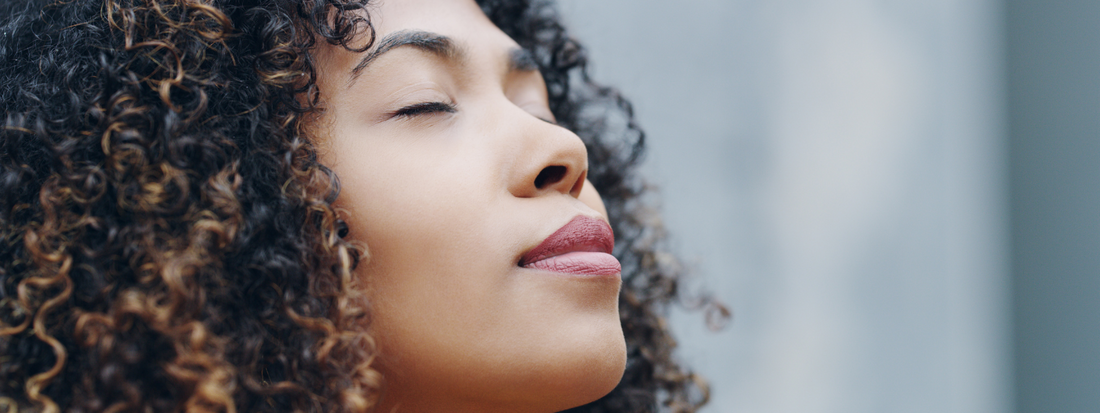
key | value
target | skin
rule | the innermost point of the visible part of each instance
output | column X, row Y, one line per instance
column 447, row 202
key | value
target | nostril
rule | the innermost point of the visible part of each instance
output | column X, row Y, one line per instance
column 549, row 175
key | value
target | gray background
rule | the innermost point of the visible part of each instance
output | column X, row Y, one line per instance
column 898, row 199
column 1054, row 107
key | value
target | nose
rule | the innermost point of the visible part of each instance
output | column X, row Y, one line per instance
column 552, row 159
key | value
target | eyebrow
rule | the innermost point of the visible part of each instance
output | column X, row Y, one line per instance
column 433, row 43
column 519, row 60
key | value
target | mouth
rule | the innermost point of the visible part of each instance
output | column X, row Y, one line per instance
column 581, row 247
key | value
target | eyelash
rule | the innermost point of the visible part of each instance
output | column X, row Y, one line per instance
column 425, row 108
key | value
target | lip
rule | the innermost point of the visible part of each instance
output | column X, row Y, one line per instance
column 581, row 247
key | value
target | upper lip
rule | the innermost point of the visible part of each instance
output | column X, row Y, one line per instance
column 580, row 234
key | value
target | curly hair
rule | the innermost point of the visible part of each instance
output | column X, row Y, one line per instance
column 168, row 239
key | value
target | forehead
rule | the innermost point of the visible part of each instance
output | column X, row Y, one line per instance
column 461, row 20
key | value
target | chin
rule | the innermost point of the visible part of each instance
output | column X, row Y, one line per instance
column 603, row 377
column 591, row 372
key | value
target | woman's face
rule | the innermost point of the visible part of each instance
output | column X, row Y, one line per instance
column 453, row 174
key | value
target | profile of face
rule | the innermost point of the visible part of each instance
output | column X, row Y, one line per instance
column 487, row 269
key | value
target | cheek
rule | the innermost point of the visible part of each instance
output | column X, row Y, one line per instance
column 416, row 215
column 427, row 224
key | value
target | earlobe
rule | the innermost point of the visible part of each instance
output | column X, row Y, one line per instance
column 589, row 196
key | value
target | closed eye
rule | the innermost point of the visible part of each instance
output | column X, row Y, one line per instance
column 425, row 108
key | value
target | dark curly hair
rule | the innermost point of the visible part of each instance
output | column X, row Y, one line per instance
column 168, row 239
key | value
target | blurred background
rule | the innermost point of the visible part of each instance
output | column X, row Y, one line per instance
column 899, row 199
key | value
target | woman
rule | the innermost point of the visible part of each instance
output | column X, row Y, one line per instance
column 321, row 205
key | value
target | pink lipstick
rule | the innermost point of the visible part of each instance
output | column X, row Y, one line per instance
column 581, row 247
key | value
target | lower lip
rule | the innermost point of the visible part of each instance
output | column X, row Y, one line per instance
column 579, row 263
